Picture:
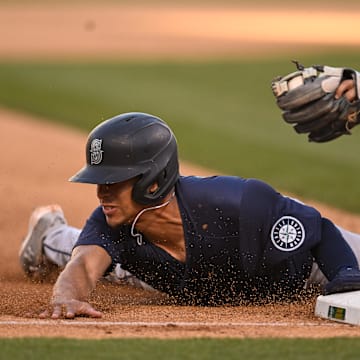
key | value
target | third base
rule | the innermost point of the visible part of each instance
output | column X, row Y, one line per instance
column 342, row 307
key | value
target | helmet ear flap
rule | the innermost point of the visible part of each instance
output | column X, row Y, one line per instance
column 165, row 180
column 140, row 192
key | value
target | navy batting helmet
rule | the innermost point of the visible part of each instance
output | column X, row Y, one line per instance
column 131, row 145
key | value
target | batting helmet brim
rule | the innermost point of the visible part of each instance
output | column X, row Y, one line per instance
column 104, row 174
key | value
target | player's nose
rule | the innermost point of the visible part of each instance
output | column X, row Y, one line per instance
column 102, row 190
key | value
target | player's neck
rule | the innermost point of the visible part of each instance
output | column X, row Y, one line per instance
column 164, row 228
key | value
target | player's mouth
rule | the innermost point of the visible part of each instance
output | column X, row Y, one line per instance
column 108, row 210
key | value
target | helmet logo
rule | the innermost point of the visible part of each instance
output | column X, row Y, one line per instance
column 96, row 154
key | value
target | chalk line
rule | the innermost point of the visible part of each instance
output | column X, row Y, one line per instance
column 159, row 323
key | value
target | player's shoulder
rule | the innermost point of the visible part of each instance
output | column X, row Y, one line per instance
column 211, row 186
column 215, row 180
column 224, row 183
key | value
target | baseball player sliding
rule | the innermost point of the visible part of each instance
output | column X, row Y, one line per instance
column 202, row 241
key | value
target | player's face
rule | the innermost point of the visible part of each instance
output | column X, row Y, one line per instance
column 117, row 203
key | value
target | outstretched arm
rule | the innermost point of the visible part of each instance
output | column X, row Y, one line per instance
column 88, row 263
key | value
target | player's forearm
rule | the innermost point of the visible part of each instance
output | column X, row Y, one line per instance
column 73, row 284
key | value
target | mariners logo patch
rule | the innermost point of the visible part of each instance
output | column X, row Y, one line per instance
column 287, row 234
column 96, row 154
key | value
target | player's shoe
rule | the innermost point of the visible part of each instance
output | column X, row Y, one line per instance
column 31, row 254
column 346, row 280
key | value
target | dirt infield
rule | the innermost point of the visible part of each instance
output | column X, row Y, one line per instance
column 38, row 158
column 113, row 31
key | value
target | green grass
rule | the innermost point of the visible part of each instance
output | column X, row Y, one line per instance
column 197, row 349
column 223, row 113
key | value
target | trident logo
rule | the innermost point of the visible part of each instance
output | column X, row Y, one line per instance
column 96, row 152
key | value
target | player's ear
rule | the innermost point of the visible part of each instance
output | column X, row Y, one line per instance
column 153, row 188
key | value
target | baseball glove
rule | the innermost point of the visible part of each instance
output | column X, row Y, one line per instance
column 306, row 98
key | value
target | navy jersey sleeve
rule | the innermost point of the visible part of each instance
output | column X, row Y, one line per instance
column 284, row 226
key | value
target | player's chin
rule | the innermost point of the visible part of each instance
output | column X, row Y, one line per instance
column 112, row 221
column 116, row 220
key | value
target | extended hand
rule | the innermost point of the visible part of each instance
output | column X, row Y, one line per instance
column 70, row 309
column 347, row 89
